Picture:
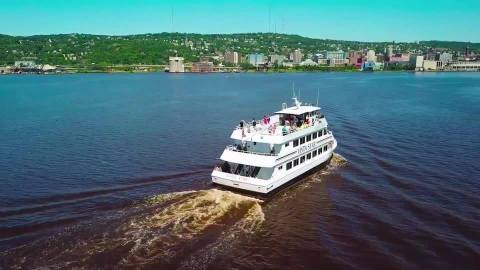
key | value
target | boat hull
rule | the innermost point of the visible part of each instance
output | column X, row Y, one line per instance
column 252, row 185
column 285, row 184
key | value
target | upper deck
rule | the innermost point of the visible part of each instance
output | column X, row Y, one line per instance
column 283, row 126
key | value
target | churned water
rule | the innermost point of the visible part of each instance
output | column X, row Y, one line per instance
column 112, row 171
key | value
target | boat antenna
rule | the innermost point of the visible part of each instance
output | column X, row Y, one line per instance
column 318, row 93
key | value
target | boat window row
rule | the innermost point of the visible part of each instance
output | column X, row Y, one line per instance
column 307, row 138
column 308, row 156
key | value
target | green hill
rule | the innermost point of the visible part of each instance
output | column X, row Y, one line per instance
column 86, row 50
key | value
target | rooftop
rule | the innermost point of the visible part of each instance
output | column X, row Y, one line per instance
column 298, row 110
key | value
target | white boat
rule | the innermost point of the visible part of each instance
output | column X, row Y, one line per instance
column 276, row 150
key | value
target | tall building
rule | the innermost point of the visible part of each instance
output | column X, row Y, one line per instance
column 176, row 64
column 389, row 50
column 446, row 58
column 277, row 59
column 232, row 58
column 371, row 56
column 356, row 58
column 296, row 56
column 256, row 59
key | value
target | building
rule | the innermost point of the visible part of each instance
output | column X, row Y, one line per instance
column 277, row 59
column 203, row 67
column 417, row 61
column 176, row 64
column 25, row 64
column 400, row 58
column 389, row 51
column 371, row 56
column 337, row 62
column 431, row 65
column 356, row 59
column 371, row 66
column 296, row 56
column 335, row 54
column 464, row 66
column 232, row 58
column 446, row 58
column 256, row 59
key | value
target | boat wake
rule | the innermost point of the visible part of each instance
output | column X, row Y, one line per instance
column 186, row 230
column 176, row 230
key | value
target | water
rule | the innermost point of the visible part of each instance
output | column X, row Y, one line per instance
column 112, row 171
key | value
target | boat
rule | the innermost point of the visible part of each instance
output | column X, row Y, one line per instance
column 276, row 151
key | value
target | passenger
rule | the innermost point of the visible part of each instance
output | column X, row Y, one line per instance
column 265, row 120
column 284, row 130
column 268, row 119
column 254, row 123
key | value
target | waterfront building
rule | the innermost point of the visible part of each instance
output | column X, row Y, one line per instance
column 277, row 59
column 203, row 66
column 335, row 54
column 431, row 65
column 400, row 58
column 256, row 59
column 29, row 64
column 356, row 59
column 418, row 62
column 445, row 58
column 296, row 56
column 337, row 62
column 389, row 51
column 176, row 64
column 232, row 58
column 371, row 56
column 371, row 66
column 323, row 61
column 464, row 66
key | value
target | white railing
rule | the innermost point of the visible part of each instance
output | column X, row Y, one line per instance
column 233, row 148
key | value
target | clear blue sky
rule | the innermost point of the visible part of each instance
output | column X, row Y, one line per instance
column 402, row 20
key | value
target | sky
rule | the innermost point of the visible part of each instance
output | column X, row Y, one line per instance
column 360, row 20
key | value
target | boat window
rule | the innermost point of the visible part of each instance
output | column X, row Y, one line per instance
column 302, row 140
column 309, row 155
column 287, row 144
column 295, row 143
column 289, row 165
column 320, row 151
column 325, row 148
column 314, row 135
column 302, row 159
column 314, row 153
column 320, row 133
column 295, row 162
column 280, row 167
column 325, row 132
column 309, row 138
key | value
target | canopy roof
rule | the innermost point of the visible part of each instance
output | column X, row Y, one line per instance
column 298, row 110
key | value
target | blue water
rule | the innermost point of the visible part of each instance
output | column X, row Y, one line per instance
column 74, row 148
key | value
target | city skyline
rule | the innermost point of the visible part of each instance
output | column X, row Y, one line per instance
column 349, row 20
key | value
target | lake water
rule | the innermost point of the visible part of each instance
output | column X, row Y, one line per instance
column 112, row 171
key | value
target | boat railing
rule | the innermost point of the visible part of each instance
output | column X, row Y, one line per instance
column 271, row 129
column 235, row 149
